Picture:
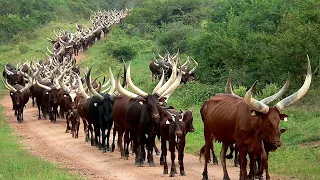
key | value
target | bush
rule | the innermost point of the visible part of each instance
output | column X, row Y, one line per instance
column 120, row 50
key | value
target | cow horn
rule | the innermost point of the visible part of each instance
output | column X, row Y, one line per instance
column 174, row 86
column 84, row 94
column 43, row 86
column 176, row 55
column 61, row 82
column 104, row 91
column 159, row 83
column 106, row 84
column 194, row 68
column 92, row 90
column 228, row 86
column 169, row 82
column 113, row 82
column 123, row 91
column 185, row 63
column 8, row 86
column 257, row 105
column 132, row 86
column 299, row 94
column 30, row 82
column 160, row 56
column 269, row 99
column 49, row 50
column 54, row 32
column 8, row 71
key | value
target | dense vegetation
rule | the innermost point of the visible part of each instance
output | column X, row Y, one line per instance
column 257, row 40
column 18, row 16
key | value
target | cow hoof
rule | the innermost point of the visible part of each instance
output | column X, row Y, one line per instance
column 205, row 177
column 104, row 150
column 172, row 174
column 235, row 165
column 152, row 164
column 113, row 147
column 226, row 178
column 39, row 118
column 182, row 173
column 140, row 164
column 161, row 162
column 165, row 171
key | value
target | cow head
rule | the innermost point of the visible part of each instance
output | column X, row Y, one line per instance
column 187, row 122
column 151, row 100
column 174, row 120
column 269, row 117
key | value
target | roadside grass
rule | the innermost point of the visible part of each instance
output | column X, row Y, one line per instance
column 17, row 163
column 297, row 158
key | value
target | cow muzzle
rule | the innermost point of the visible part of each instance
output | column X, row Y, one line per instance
column 155, row 116
column 179, row 133
column 277, row 143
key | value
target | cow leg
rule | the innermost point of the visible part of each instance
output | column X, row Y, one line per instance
column 33, row 103
column 108, row 135
column 182, row 144
column 103, row 140
column 21, row 114
column 172, row 150
column 223, row 161
column 236, row 156
column 264, row 161
column 90, row 128
column 68, row 121
column 164, row 156
column 156, row 149
column 208, row 144
column 126, row 145
column 243, row 161
column 267, row 168
column 230, row 155
column 253, row 165
column 140, row 148
column 39, row 117
column 151, row 144
column 214, row 157
column 77, row 128
column 85, row 129
column 113, row 146
column 97, row 137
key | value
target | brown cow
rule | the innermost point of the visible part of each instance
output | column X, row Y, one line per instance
column 73, row 117
column 248, row 122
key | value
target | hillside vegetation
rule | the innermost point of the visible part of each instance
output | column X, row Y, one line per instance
column 254, row 40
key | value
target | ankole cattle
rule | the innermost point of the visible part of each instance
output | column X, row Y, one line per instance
column 20, row 97
column 247, row 122
column 143, row 114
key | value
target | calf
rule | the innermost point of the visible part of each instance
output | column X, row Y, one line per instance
column 73, row 117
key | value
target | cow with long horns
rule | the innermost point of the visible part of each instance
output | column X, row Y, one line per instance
column 143, row 113
column 20, row 96
column 248, row 122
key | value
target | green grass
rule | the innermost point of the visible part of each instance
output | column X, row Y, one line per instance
column 17, row 163
column 297, row 157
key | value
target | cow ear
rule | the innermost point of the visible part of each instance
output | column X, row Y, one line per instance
column 282, row 130
column 283, row 117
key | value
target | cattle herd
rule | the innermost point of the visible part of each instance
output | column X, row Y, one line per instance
column 243, row 124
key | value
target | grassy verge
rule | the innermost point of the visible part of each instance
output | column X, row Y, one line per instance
column 17, row 163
